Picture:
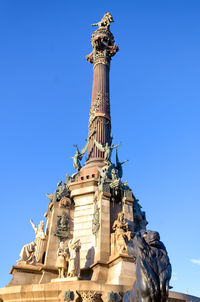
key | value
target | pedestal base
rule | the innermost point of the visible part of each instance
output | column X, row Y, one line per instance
column 86, row 291
column 120, row 269
column 31, row 274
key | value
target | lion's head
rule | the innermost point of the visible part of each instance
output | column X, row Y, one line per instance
column 153, row 266
column 151, row 238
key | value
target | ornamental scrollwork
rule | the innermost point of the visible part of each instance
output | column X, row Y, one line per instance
column 97, row 104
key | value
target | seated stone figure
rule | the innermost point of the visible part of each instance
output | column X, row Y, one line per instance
column 122, row 234
column 40, row 240
column 153, row 269
column 27, row 254
column 32, row 253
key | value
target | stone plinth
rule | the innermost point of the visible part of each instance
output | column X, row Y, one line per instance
column 25, row 274
column 87, row 290
column 31, row 274
column 120, row 270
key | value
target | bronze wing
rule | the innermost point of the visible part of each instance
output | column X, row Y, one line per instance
column 83, row 151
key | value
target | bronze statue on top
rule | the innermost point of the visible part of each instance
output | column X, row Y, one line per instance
column 105, row 21
column 103, row 41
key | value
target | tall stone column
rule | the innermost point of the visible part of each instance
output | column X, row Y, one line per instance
column 99, row 119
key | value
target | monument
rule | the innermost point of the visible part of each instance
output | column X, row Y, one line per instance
column 95, row 246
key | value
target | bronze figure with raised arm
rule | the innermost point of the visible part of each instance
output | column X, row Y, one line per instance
column 106, row 149
column 78, row 157
column 119, row 165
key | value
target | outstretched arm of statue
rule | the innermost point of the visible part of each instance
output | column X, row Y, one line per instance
column 123, row 162
column 113, row 147
column 33, row 225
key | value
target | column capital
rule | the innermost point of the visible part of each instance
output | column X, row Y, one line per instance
column 102, row 41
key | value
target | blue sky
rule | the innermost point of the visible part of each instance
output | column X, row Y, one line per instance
column 45, row 94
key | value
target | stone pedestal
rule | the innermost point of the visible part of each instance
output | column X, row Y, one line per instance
column 86, row 291
column 119, row 270
column 103, row 235
column 83, row 193
column 31, row 274
column 25, row 274
column 95, row 261
column 122, row 270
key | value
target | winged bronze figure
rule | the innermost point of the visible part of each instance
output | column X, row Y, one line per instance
column 107, row 149
column 119, row 165
column 78, row 157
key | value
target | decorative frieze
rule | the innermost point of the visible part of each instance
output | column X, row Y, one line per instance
column 90, row 296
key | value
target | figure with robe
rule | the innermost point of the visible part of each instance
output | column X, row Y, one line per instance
column 40, row 240
column 27, row 254
column 62, row 260
column 74, row 246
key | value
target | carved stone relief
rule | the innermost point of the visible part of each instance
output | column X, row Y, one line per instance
column 96, row 220
column 90, row 296
column 62, row 229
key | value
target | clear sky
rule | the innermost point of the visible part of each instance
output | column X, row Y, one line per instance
column 45, row 94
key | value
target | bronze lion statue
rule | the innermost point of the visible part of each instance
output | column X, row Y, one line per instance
column 153, row 269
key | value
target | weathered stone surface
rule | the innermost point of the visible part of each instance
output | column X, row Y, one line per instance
column 54, row 292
